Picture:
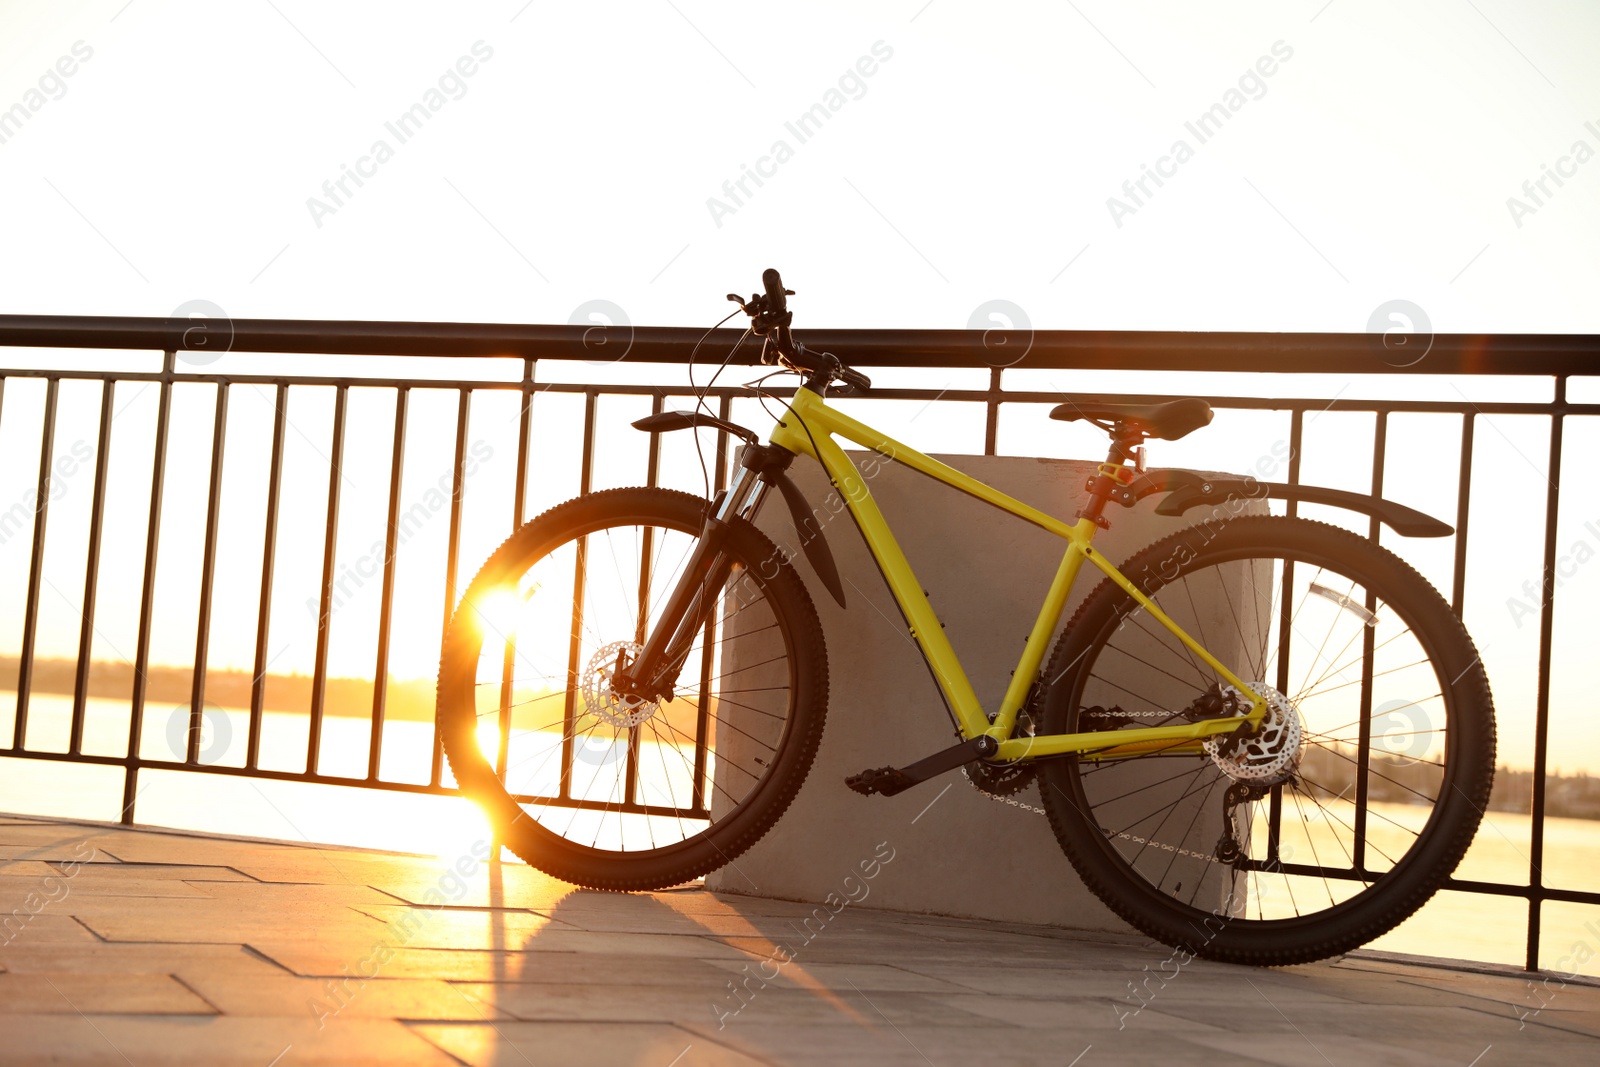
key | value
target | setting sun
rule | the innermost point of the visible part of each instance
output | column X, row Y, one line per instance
column 489, row 736
column 500, row 612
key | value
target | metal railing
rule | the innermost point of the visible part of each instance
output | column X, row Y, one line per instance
column 1555, row 358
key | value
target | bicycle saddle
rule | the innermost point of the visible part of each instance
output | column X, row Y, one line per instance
column 1166, row 422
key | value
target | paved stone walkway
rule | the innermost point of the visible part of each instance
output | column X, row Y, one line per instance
column 145, row 947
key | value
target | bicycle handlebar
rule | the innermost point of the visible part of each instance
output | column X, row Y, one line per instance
column 771, row 318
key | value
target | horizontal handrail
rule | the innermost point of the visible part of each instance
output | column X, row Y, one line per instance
column 1344, row 353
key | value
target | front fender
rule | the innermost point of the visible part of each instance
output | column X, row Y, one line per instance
column 812, row 542
column 1190, row 489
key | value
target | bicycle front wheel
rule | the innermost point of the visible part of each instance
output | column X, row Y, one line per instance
column 1350, row 806
column 611, row 792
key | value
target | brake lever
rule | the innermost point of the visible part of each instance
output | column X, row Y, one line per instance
column 855, row 383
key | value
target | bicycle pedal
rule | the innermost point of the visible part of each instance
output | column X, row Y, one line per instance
column 891, row 780
column 885, row 780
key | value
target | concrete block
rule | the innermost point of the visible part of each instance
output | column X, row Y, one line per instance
column 957, row 851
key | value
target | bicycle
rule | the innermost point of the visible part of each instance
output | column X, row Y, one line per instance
column 635, row 684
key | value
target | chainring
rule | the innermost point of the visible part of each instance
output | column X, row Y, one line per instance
column 1001, row 779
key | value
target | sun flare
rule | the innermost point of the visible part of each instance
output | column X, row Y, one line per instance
column 489, row 736
column 500, row 613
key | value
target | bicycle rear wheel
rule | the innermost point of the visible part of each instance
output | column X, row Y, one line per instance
column 1356, row 800
column 610, row 792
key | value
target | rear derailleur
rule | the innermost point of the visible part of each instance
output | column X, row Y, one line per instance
column 1229, row 850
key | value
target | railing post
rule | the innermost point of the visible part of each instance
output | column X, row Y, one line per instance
column 91, row 572
column 452, row 563
column 1541, row 714
column 380, row 671
column 991, row 422
column 330, row 545
column 141, row 656
column 41, row 515
column 208, row 567
column 269, row 552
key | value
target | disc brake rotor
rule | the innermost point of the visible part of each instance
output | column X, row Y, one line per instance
column 1269, row 756
column 600, row 697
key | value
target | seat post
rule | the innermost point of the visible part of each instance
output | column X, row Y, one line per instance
column 1123, row 443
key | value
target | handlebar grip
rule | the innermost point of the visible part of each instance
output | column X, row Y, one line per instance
column 776, row 304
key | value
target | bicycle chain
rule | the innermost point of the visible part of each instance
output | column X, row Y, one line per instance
column 1159, row 716
column 1087, row 712
column 1000, row 800
column 1135, row 838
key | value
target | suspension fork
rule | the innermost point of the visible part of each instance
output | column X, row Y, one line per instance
column 654, row 673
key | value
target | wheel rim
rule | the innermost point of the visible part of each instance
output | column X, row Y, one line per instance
column 1316, row 837
column 603, row 774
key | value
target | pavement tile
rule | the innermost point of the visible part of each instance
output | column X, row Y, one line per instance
column 458, row 927
column 125, row 888
column 553, row 938
column 657, row 921
column 493, row 886
column 606, row 998
column 1392, row 1024
column 314, row 866
column 1405, row 991
column 381, row 997
column 251, row 893
column 689, row 901
column 570, row 1044
column 1359, row 989
column 1439, row 973
column 874, row 1043
column 1087, row 1013
column 28, row 869
column 215, row 1041
column 1126, row 983
column 561, row 968
column 46, row 993
column 802, row 974
column 1581, row 1021
column 48, row 926
column 79, row 851
column 481, row 965
column 993, row 934
column 831, row 946
column 667, row 913
column 265, row 905
column 149, row 846
column 103, row 958
column 163, row 931
column 205, row 919
column 1527, row 994
column 44, row 830
column 117, row 873
column 1295, row 1050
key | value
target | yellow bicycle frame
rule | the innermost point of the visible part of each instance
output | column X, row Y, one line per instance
column 808, row 428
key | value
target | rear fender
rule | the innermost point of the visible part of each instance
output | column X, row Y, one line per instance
column 1189, row 489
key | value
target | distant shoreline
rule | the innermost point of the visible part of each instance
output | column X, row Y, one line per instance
column 411, row 701
column 1573, row 796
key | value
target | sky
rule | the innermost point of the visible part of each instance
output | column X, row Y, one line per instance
column 905, row 165
column 578, row 160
